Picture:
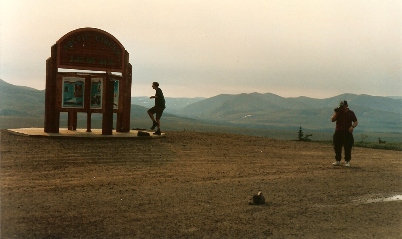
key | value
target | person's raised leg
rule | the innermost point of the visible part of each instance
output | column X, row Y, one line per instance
column 151, row 115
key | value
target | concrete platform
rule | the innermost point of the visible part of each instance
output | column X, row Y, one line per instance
column 81, row 133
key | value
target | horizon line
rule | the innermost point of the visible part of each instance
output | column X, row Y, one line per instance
column 387, row 96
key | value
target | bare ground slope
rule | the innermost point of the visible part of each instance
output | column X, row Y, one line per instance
column 194, row 185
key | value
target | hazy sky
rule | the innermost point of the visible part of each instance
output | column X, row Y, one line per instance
column 316, row 48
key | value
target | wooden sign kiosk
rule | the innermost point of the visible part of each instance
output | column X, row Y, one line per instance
column 107, row 92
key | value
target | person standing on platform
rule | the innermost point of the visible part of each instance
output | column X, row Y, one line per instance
column 157, row 109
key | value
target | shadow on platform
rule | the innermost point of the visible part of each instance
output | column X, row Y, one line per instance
column 82, row 133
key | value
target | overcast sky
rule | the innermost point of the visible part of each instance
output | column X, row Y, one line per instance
column 316, row 48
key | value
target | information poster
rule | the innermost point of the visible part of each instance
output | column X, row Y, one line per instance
column 73, row 92
column 116, row 95
column 96, row 93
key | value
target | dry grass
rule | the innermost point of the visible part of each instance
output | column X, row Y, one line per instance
column 194, row 185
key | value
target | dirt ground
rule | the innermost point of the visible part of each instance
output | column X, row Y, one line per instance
column 194, row 185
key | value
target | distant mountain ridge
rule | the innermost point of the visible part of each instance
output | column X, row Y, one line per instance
column 173, row 105
column 269, row 101
column 270, row 110
column 24, row 107
column 21, row 100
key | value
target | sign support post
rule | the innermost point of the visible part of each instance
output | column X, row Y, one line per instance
column 52, row 115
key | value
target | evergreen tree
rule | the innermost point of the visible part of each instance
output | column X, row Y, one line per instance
column 300, row 134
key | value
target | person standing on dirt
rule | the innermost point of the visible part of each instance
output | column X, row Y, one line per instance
column 346, row 121
column 157, row 109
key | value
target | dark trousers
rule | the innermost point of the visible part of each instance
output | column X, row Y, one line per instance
column 345, row 139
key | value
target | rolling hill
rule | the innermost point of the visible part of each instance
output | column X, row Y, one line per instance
column 173, row 105
column 22, row 107
column 374, row 113
column 21, row 100
column 252, row 114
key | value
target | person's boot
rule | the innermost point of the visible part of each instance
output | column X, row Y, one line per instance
column 158, row 132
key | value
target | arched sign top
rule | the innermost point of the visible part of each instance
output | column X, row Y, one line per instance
column 90, row 49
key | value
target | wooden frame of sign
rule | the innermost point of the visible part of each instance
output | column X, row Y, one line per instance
column 108, row 92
